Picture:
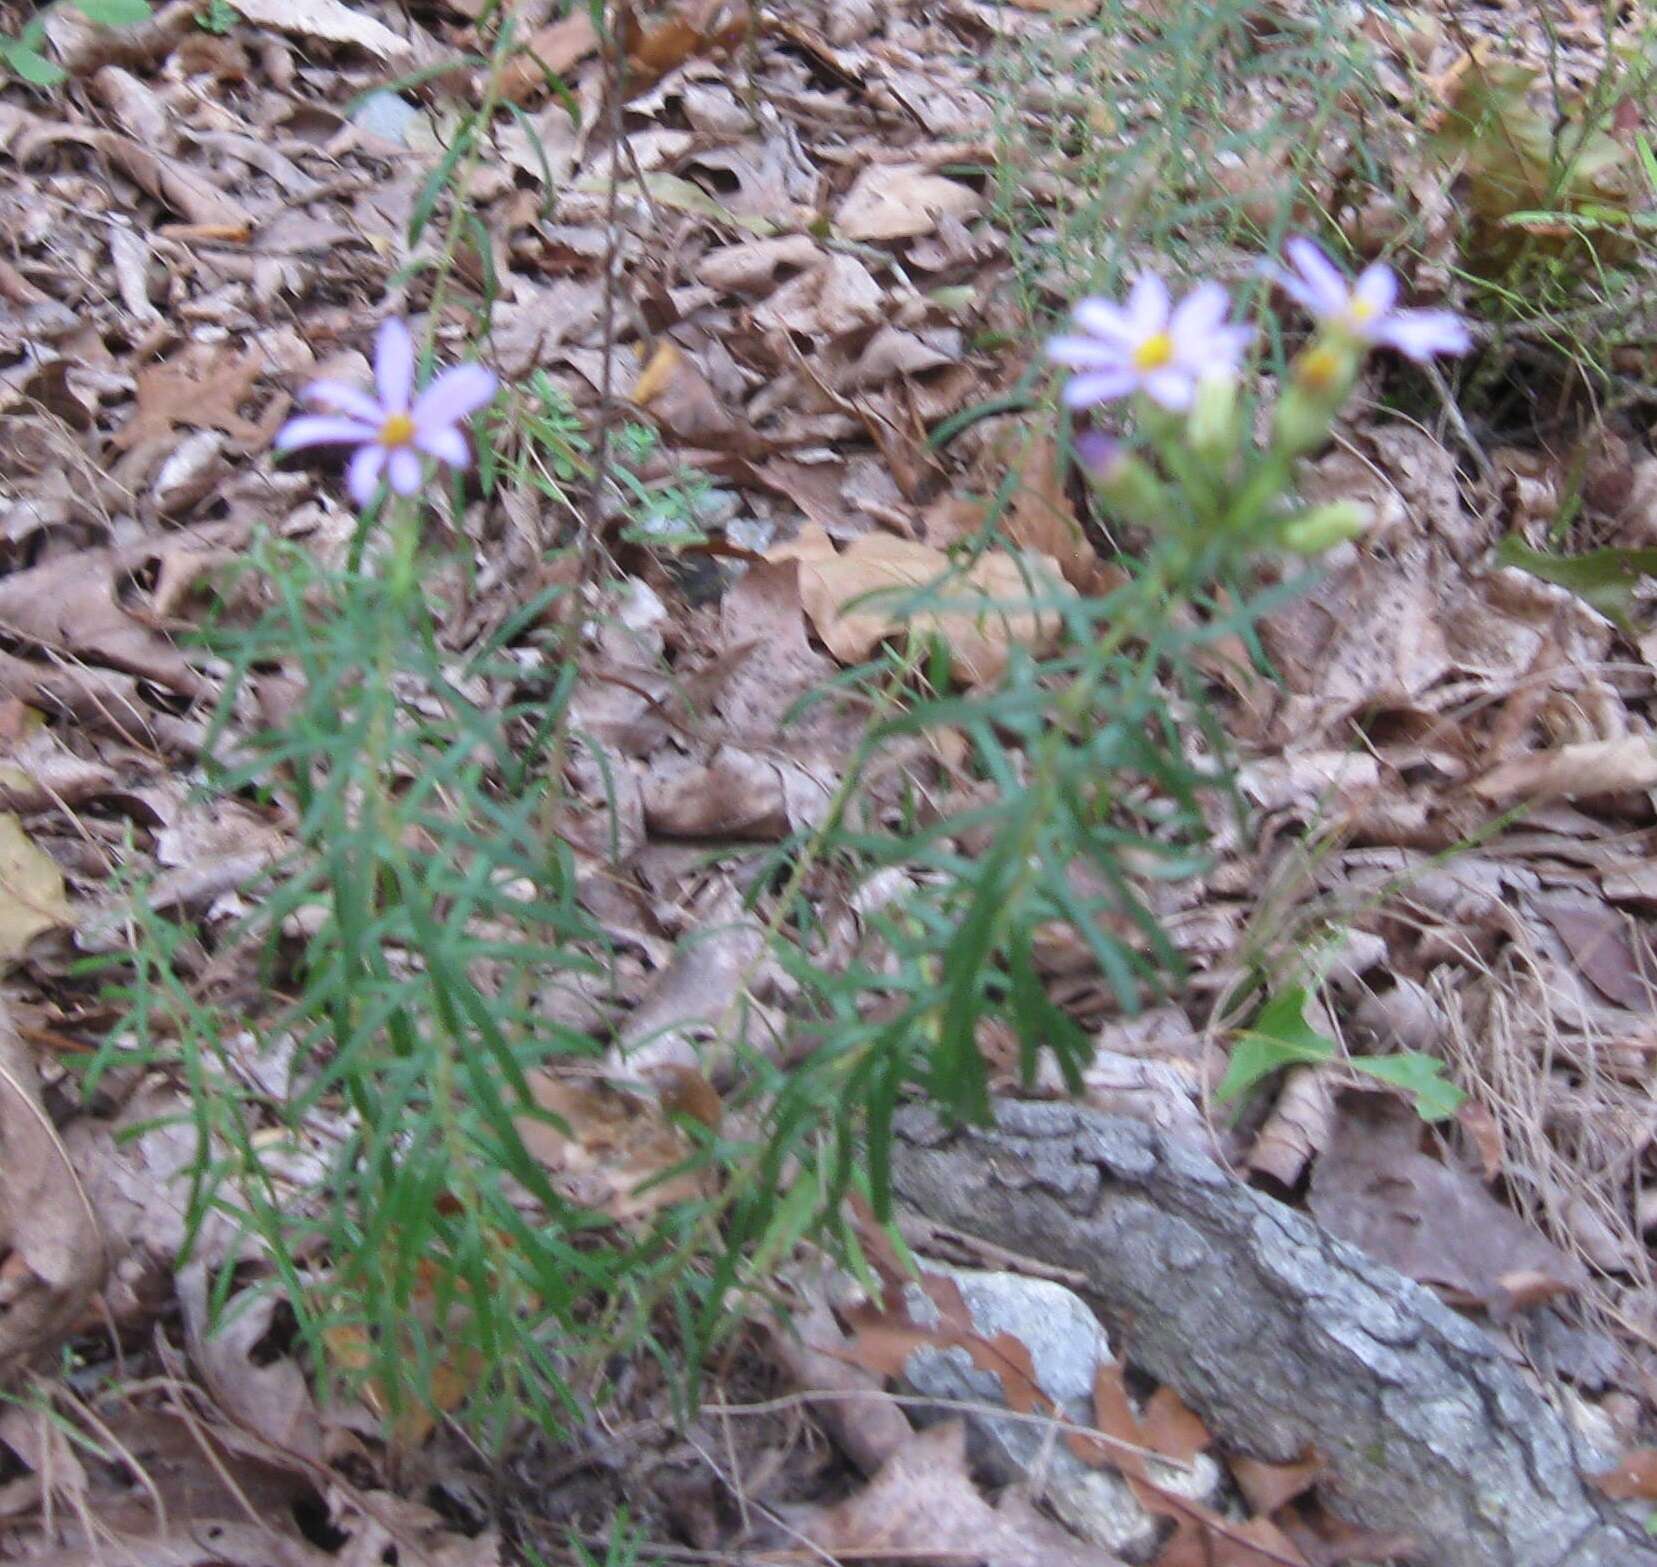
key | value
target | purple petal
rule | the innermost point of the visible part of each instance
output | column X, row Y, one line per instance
column 1228, row 345
column 394, row 365
column 1173, row 388
column 1377, row 287
column 1104, row 319
column 1197, row 316
column 1291, row 285
column 454, row 394
column 1325, row 283
column 445, row 443
column 338, row 396
column 1097, row 386
column 1086, row 353
column 405, row 471
column 362, row 478
column 1148, row 305
column 1419, row 334
column 320, row 430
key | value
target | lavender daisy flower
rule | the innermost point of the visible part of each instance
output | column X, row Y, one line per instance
column 393, row 430
column 1149, row 345
column 1367, row 310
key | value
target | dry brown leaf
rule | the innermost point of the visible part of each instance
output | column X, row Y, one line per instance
column 555, row 48
column 1267, row 1487
column 887, row 1338
column 204, row 386
column 923, row 1507
column 32, row 898
column 1038, row 514
column 1298, row 1127
column 815, row 1354
column 328, row 20
column 38, row 770
column 978, row 634
column 1201, row 1537
column 169, row 181
column 1434, row 1223
column 690, row 30
column 1634, row 1478
column 601, row 1145
column 51, row 1245
column 1610, row 951
column 270, row 1396
column 901, row 201
column 1593, row 767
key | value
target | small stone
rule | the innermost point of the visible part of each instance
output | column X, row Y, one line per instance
column 1067, row 1347
column 387, row 116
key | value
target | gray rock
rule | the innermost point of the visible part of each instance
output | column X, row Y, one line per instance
column 387, row 116
column 1067, row 1347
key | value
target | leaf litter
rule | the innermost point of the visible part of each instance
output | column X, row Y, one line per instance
column 812, row 271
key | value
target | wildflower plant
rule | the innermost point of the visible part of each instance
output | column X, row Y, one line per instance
column 1102, row 766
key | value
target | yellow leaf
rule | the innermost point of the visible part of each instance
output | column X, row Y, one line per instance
column 31, row 891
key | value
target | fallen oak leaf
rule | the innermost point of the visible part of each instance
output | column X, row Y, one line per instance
column 180, row 188
column 974, row 611
column 549, row 53
column 901, row 201
column 204, row 386
column 1201, row 1538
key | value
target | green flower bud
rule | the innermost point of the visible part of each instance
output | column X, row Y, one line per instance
column 1319, row 381
column 1130, row 488
column 1323, row 527
column 1212, row 426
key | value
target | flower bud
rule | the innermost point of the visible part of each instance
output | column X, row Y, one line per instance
column 1128, row 485
column 1212, row 426
column 1319, row 380
column 1323, row 527
column 1328, row 368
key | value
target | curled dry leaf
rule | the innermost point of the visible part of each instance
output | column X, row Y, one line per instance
column 51, row 1245
column 328, row 20
column 549, row 52
column 975, row 613
column 1593, row 767
column 181, row 188
column 815, row 1355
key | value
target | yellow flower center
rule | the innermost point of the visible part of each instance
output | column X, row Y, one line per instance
column 1320, row 368
column 398, row 430
column 1154, row 352
column 1359, row 310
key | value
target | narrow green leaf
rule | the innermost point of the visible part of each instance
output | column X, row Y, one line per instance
column 114, row 13
column 1606, row 578
column 33, row 68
